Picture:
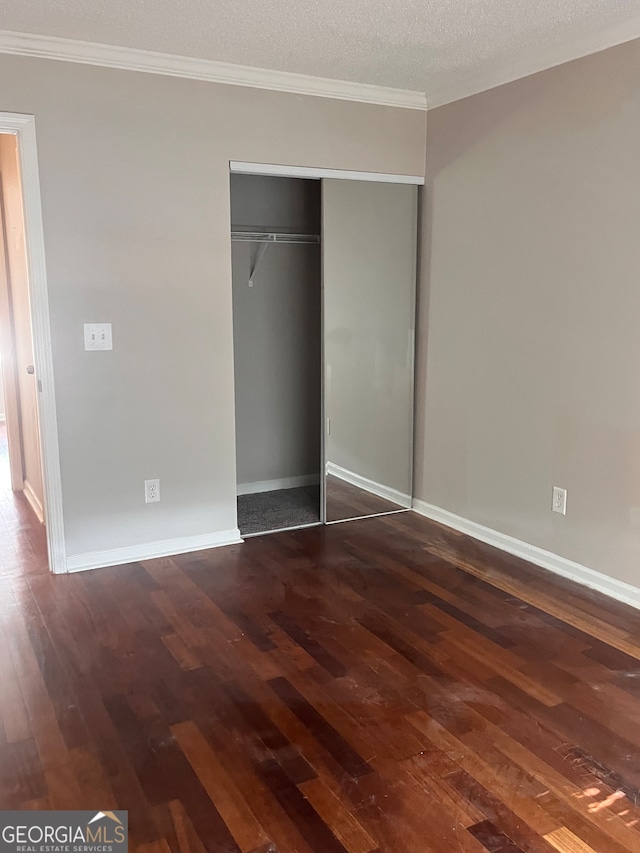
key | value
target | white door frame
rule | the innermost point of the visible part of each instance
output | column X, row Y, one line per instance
column 23, row 127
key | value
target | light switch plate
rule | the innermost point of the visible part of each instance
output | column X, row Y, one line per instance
column 97, row 336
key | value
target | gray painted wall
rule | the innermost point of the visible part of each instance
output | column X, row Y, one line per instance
column 530, row 290
column 134, row 173
column 286, row 204
column 277, row 328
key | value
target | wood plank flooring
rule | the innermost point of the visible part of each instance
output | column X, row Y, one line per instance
column 345, row 501
column 383, row 685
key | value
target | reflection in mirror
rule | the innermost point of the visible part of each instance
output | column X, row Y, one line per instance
column 369, row 273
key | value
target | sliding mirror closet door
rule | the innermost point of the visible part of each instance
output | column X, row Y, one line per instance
column 369, row 278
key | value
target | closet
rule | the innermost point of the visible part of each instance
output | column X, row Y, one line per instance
column 276, row 279
column 324, row 274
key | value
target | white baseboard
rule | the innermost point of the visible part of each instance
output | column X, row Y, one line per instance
column 34, row 501
column 367, row 485
column 546, row 559
column 274, row 485
column 151, row 550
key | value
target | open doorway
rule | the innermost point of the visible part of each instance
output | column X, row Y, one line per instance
column 22, row 502
column 277, row 336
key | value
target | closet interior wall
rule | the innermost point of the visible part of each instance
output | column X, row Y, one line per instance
column 277, row 352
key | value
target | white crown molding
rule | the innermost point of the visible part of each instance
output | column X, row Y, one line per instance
column 546, row 559
column 554, row 55
column 132, row 59
column 151, row 550
column 172, row 65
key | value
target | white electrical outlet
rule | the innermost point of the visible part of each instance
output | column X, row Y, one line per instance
column 151, row 491
column 559, row 500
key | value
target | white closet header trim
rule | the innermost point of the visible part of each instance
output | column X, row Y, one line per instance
column 238, row 167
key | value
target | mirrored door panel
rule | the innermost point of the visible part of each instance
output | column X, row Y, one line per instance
column 369, row 278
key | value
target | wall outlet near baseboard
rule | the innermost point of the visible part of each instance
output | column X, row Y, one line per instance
column 151, row 491
column 559, row 500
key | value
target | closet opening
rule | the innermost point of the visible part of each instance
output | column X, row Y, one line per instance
column 277, row 330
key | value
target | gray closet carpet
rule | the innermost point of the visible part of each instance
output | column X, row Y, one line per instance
column 267, row 511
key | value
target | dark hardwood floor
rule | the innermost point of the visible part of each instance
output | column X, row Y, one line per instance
column 345, row 501
column 383, row 685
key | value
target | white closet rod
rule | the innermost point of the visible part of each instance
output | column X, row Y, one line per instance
column 273, row 237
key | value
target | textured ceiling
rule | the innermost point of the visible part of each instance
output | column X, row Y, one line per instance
column 446, row 48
